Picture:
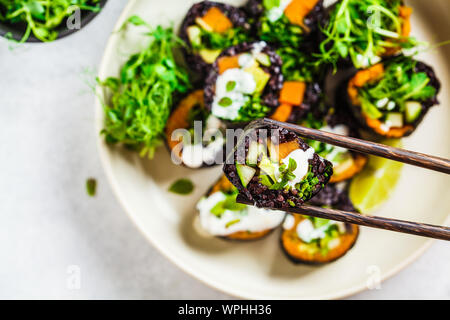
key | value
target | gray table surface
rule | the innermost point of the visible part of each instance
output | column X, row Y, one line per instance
column 48, row 223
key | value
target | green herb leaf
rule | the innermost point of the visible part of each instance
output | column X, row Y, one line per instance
column 225, row 102
column 182, row 187
column 91, row 187
column 231, row 85
column 229, row 224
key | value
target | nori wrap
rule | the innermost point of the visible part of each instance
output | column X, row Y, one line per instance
column 194, row 137
column 221, row 216
column 244, row 83
column 392, row 98
column 315, row 241
column 208, row 28
column 274, row 168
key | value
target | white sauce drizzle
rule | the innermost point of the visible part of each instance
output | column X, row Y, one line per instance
column 251, row 219
column 301, row 158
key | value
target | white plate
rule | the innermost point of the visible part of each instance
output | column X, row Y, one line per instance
column 259, row 270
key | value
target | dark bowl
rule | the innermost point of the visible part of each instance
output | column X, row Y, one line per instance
column 17, row 30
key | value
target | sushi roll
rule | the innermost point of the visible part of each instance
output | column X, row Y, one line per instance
column 392, row 98
column 346, row 163
column 363, row 32
column 221, row 216
column 244, row 83
column 194, row 136
column 312, row 240
column 208, row 28
column 286, row 23
column 274, row 168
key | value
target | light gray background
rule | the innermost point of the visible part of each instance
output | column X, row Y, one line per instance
column 48, row 223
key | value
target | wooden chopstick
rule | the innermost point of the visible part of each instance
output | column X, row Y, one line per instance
column 418, row 229
column 362, row 146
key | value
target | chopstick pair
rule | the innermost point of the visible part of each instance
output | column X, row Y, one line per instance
column 367, row 147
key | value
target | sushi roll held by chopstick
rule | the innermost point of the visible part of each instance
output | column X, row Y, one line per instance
column 274, row 168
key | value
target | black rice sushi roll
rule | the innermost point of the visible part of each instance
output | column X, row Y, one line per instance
column 392, row 98
column 221, row 216
column 274, row 168
column 194, row 136
column 208, row 28
column 244, row 83
column 346, row 163
column 312, row 240
column 361, row 33
column 286, row 23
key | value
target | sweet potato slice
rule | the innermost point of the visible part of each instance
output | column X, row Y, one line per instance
column 297, row 10
column 293, row 93
column 178, row 118
column 280, row 151
column 217, row 20
column 361, row 78
column 282, row 113
column 297, row 250
column 357, row 164
column 226, row 63
column 377, row 126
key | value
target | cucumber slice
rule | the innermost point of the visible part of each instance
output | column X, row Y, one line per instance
column 245, row 173
column 413, row 110
column 394, row 119
column 194, row 35
column 263, row 59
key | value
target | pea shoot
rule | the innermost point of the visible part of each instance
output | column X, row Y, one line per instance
column 42, row 17
column 142, row 97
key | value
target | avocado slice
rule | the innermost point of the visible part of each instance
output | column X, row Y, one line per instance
column 413, row 111
column 263, row 59
column 260, row 76
column 194, row 35
column 245, row 173
column 208, row 55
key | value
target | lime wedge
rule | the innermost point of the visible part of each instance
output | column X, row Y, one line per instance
column 373, row 186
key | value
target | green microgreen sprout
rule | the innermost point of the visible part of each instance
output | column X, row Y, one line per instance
column 42, row 17
column 142, row 96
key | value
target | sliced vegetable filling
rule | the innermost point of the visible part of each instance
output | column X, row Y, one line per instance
column 364, row 31
column 220, row 215
column 202, row 141
column 279, row 172
column 394, row 96
column 209, row 28
column 245, row 83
